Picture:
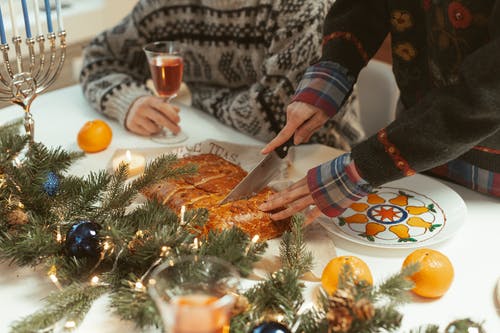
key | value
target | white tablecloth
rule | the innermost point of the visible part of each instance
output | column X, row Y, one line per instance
column 474, row 250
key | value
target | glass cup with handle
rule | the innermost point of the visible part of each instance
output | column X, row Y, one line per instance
column 166, row 66
column 195, row 294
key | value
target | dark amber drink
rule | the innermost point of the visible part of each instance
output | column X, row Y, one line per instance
column 166, row 72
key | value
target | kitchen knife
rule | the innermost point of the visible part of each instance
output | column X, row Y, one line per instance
column 261, row 175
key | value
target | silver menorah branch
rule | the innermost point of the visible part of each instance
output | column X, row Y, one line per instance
column 31, row 76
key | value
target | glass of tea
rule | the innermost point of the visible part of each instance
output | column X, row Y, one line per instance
column 195, row 294
column 166, row 66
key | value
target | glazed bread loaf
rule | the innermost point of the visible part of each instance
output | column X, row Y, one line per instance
column 215, row 178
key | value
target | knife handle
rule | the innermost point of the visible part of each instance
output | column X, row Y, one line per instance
column 282, row 150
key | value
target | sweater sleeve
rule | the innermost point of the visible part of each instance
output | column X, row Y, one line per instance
column 294, row 42
column 353, row 32
column 446, row 123
column 115, row 69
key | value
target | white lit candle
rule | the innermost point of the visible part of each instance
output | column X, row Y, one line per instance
column 135, row 163
column 60, row 26
column 38, row 21
column 12, row 19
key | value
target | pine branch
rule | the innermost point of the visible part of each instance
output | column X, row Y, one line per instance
column 120, row 195
column 135, row 305
column 234, row 246
column 386, row 319
column 311, row 321
column 29, row 247
column 426, row 329
column 11, row 143
column 293, row 250
column 11, row 127
column 396, row 287
column 281, row 293
column 162, row 168
column 71, row 304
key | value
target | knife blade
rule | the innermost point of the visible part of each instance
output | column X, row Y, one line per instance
column 260, row 175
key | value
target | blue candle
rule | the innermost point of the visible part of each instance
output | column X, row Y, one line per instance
column 26, row 18
column 2, row 29
column 49, row 16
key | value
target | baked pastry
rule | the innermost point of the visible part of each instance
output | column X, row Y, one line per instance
column 215, row 178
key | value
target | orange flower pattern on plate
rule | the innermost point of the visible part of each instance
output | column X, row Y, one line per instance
column 393, row 216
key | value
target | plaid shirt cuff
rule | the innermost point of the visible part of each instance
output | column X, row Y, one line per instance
column 336, row 184
column 324, row 85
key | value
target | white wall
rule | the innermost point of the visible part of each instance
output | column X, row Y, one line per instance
column 85, row 19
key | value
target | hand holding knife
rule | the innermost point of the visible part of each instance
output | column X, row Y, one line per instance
column 261, row 175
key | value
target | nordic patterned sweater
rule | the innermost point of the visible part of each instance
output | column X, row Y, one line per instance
column 446, row 59
column 242, row 64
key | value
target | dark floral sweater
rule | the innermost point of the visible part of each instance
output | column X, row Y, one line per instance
column 446, row 59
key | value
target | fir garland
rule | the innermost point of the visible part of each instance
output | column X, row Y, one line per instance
column 40, row 205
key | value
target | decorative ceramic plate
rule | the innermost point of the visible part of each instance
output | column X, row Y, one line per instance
column 410, row 212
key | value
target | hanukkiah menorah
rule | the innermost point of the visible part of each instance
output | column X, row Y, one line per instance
column 28, row 73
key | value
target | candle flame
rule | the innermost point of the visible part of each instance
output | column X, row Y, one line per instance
column 128, row 156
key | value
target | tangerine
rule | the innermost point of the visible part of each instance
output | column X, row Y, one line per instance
column 435, row 273
column 94, row 136
column 332, row 271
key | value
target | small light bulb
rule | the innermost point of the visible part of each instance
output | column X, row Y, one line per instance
column 70, row 324
column 53, row 278
column 94, row 280
column 255, row 239
column 139, row 286
column 183, row 212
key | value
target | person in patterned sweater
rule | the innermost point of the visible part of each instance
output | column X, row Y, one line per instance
column 243, row 60
column 446, row 59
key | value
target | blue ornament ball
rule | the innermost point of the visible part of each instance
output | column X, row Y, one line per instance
column 51, row 184
column 270, row 327
column 82, row 240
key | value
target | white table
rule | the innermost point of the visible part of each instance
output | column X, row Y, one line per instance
column 473, row 250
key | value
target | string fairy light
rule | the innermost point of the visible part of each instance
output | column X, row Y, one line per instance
column 106, row 246
column 94, row 281
column 139, row 286
column 165, row 250
column 183, row 213
column 70, row 324
column 58, row 234
column 254, row 241
column 196, row 244
column 52, row 273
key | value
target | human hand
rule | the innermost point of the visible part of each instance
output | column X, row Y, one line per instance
column 302, row 120
column 295, row 199
column 149, row 114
